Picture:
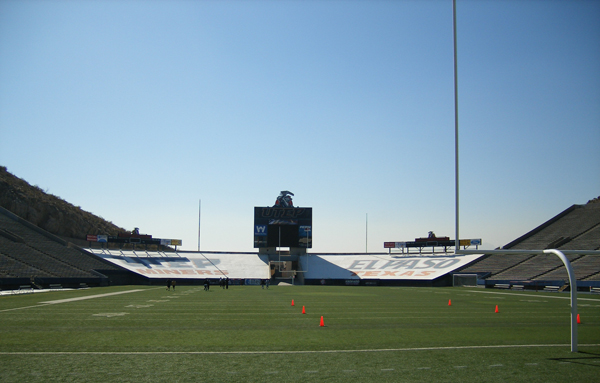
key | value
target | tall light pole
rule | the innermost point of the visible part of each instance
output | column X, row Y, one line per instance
column 456, row 223
column 367, row 233
column 199, row 220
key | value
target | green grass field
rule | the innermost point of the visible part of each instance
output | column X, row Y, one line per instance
column 245, row 333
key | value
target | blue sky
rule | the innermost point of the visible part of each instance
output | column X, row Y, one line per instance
column 136, row 110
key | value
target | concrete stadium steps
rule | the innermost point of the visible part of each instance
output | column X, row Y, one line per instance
column 63, row 260
column 595, row 277
column 534, row 267
column 578, row 220
column 587, row 240
column 15, row 268
column 583, row 267
column 497, row 263
column 593, row 262
column 41, row 260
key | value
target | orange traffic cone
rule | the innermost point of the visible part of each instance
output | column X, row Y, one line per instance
column 322, row 324
column 303, row 311
column 292, row 302
column 578, row 319
column 496, row 308
column 449, row 302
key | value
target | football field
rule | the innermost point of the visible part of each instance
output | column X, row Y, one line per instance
column 246, row 333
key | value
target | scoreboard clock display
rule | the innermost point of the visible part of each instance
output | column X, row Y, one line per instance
column 282, row 227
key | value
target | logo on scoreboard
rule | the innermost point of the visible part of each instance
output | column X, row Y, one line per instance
column 260, row 230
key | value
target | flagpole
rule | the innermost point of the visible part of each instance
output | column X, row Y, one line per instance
column 199, row 220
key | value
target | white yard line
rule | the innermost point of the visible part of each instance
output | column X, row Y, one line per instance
column 42, row 304
column 532, row 295
column 90, row 297
column 286, row 352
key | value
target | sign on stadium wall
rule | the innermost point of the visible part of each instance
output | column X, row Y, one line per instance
column 195, row 265
column 382, row 266
column 190, row 265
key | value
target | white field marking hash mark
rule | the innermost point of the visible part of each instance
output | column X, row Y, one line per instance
column 109, row 315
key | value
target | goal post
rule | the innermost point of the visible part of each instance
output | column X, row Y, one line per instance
column 464, row 280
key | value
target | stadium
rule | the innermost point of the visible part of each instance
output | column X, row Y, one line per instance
column 97, row 309
column 140, row 109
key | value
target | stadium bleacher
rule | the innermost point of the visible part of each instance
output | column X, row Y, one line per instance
column 583, row 267
column 570, row 229
column 533, row 268
column 29, row 252
column 576, row 228
column 495, row 264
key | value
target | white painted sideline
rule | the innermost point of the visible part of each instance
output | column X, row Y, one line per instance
column 287, row 352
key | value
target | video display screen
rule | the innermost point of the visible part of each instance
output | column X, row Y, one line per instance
column 282, row 227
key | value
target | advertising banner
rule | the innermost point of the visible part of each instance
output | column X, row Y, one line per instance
column 190, row 265
column 195, row 265
column 97, row 238
column 382, row 266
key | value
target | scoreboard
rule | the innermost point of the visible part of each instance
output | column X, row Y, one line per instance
column 282, row 227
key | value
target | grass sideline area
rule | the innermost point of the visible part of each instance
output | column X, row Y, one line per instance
column 245, row 333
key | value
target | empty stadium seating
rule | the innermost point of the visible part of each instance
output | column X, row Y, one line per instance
column 576, row 228
column 27, row 252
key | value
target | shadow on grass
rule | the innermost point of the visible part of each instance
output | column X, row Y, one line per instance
column 591, row 360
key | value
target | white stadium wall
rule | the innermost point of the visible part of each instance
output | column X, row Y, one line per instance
column 196, row 265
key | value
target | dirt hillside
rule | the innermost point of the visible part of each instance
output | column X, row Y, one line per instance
column 49, row 212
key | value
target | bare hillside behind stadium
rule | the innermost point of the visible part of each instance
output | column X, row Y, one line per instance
column 48, row 211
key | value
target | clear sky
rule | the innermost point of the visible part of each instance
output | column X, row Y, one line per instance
column 136, row 110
